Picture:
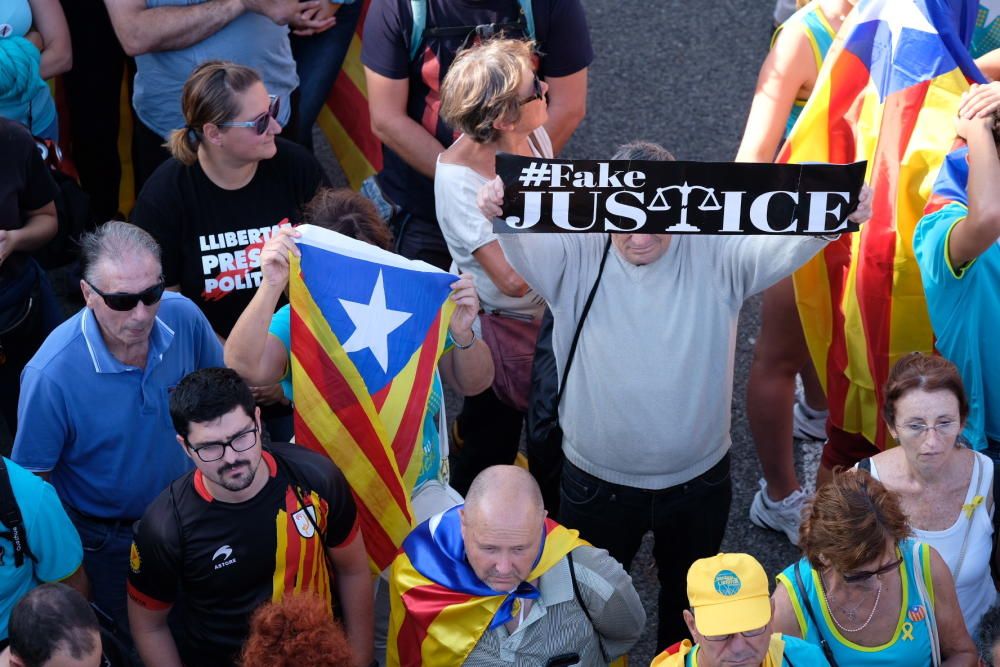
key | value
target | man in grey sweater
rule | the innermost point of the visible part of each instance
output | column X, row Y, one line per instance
column 646, row 409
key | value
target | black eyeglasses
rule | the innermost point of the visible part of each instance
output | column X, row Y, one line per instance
column 213, row 451
column 858, row 577
column 261, row 122
column 126, row 301
column 748, row 633
column 538, row 95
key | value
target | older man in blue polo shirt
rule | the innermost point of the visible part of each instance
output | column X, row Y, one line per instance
column 94, row 408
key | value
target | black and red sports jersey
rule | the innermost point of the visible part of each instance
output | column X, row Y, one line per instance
column 220, row 561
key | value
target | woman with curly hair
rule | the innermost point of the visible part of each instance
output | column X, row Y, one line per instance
column 299, row 631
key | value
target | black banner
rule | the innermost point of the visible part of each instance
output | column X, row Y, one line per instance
column 627, row 196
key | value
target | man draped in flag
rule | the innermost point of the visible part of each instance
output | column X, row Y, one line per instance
column 888, row 93
column 496, row 577
column 957, row 244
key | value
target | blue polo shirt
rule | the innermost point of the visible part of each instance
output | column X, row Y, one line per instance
column 51, row 536
column 101, row 427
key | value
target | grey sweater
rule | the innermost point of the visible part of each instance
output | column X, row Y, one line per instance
column 647, row 401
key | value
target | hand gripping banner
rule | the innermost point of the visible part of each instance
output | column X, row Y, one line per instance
column 629, row 196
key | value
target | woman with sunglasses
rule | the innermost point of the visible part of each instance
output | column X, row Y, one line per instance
column 865, row 591
column 491, row 95
column 944, row 488
column 229, row 185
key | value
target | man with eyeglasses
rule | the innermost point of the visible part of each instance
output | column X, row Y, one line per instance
column 249, row 525
column 93, row 411
column 730, row 620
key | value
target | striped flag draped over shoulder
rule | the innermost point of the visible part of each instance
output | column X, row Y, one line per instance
column 888, row 93
column 368, row 328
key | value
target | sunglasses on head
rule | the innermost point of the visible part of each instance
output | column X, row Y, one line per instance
column 261, row 122
column 126, row 301
column 538, row 95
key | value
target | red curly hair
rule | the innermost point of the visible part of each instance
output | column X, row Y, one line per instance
column 299, row 631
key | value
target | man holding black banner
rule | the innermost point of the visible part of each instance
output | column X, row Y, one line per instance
column 646, row 407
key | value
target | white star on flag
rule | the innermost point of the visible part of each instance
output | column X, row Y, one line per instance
column 373, row 323
column 905, row 15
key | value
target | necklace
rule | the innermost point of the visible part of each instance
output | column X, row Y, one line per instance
column 852, row 613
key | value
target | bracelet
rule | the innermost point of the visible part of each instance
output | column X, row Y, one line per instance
column 465, row 347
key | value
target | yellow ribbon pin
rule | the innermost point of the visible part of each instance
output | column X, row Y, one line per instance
column 969, row 508
column 908, row 631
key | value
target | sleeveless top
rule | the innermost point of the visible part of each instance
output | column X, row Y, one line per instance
column 24, row 95
column 910, row 644
column 820, row 33
column 973, row 583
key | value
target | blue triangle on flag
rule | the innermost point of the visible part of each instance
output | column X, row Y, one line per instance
column 414, row 297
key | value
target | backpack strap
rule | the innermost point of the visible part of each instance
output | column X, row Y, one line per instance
column 529, row 17
column 579, row 325
column 583, row 606
column 804, row 596
column 10, row 514
column 418, row 8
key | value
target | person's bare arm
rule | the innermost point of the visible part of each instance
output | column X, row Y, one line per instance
column 152, row 635
column 353, row 581
column 788, row 67
column 784, row 620
column 50, row 22
column 143, row 30
column 387, row 106
column 956, row 645
column 469, row 371
column 499, row 270
column 79, row 581
column 567, row 106
column 39, row 228
column 989, row 64
column 259, row 357
column 980, row 229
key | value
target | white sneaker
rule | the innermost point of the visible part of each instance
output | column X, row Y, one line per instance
column 783, row 516
column 807, row 424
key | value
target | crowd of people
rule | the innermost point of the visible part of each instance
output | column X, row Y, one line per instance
column 156, row 509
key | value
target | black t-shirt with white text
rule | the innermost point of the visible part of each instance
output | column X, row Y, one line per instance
column 220, row 561
column 560, row 31
column 211, row 237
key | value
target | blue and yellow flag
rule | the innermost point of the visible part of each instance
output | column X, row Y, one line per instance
column 439, row 607
column 888, row 93
column 368, row 328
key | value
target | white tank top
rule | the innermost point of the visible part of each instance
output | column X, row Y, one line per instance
column 974, row 586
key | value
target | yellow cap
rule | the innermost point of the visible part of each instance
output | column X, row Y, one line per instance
column 728, row 594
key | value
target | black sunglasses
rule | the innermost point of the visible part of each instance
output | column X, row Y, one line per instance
column 538, row 95
column 261, row 122
column 858, row 577
column 125, row 301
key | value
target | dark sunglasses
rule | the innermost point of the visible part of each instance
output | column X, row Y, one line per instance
column 538, row 95
column 261, row 122
column 858, row 577
column 126, row 301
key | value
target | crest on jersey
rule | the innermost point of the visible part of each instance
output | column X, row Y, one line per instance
column 303, row 523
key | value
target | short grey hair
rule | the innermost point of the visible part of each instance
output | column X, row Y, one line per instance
column 643, row 150
column 988, row 634
column 113, row 240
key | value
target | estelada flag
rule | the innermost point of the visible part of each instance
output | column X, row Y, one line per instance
column 439, row 608
column 368, row 328
column 345, row 120
column 888, row 92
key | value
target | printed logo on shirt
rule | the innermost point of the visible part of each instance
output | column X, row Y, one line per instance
column 727, row 583
column 224, row 552
column 916, row 613
column 302, row 522
column 134, row 560
column 230, row 261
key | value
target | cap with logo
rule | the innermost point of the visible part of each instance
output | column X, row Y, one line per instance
column 728, row 594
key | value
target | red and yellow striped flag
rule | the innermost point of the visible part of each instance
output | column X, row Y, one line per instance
column 888, row 93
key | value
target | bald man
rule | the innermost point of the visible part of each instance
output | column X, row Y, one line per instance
column 494, row 581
